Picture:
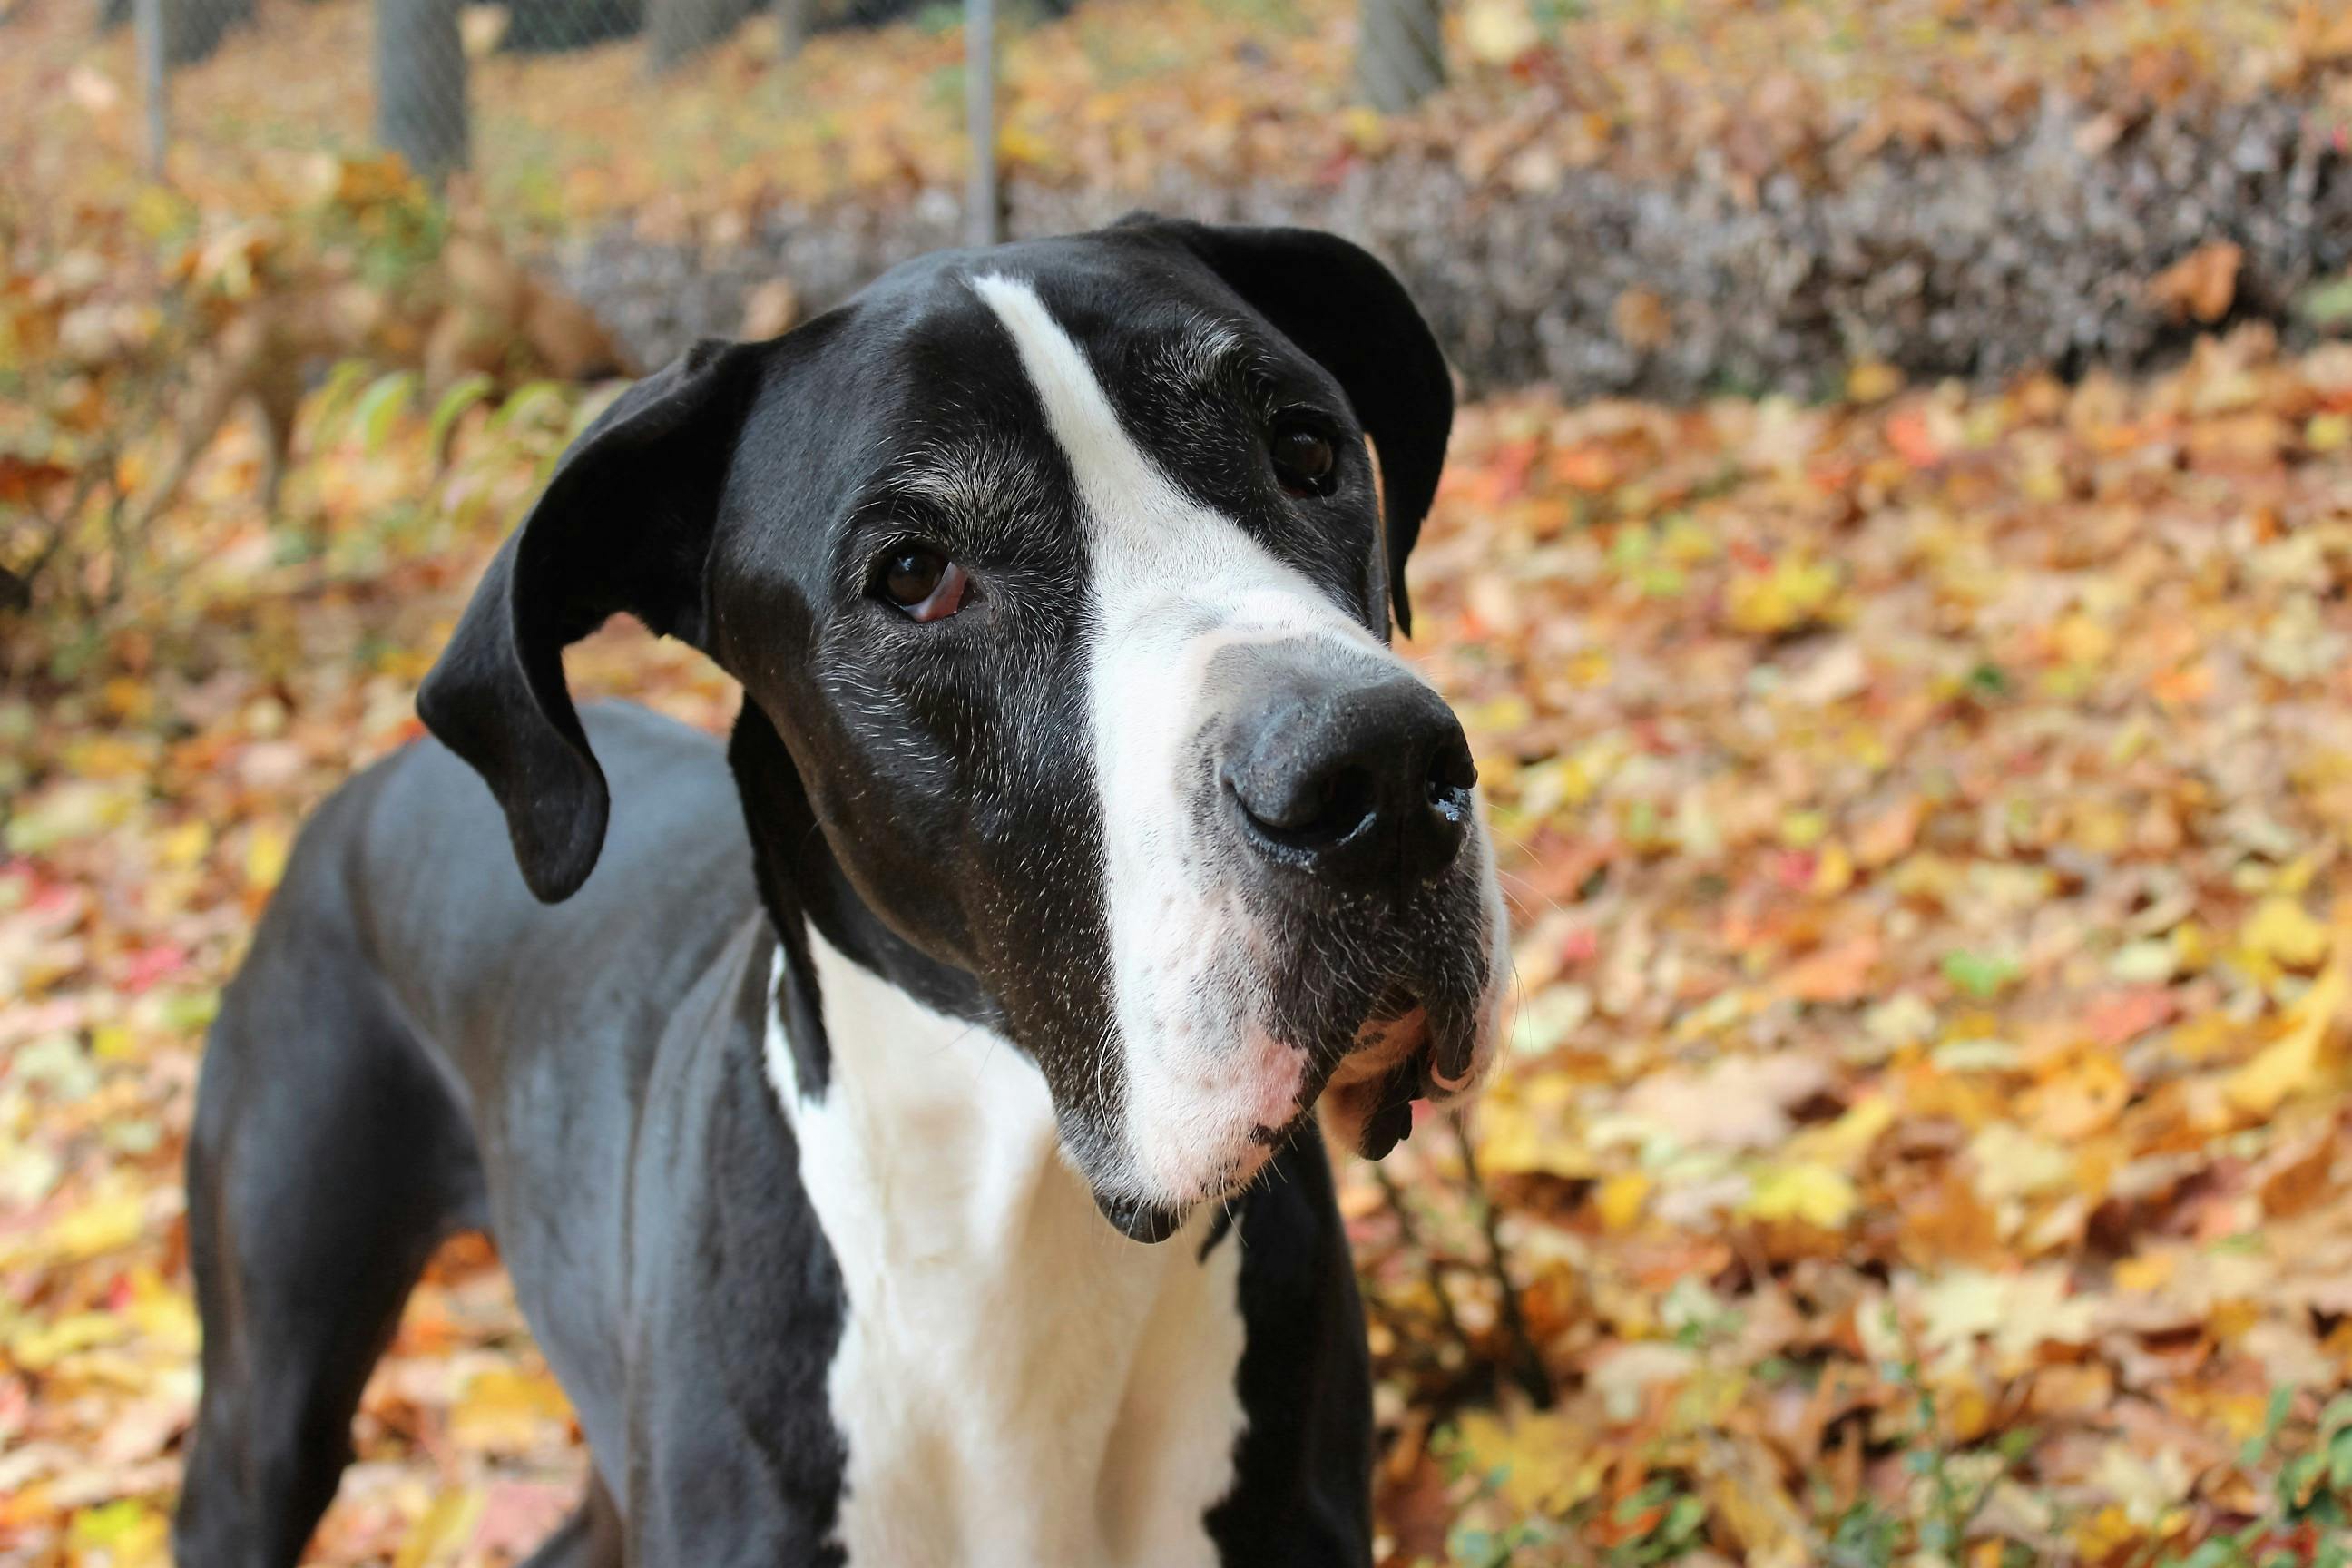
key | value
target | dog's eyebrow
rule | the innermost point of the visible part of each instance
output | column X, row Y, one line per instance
column 1205, row 355
column 963, row 478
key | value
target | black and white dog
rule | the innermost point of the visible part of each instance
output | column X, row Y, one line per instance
column 1094, row 835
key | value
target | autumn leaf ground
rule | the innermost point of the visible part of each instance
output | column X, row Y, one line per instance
column 1925, row 814
column 1921, row 1137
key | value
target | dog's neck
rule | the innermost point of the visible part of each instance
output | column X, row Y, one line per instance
column 804, row 888
column 1011, row 1370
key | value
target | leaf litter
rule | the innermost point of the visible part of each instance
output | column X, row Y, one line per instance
column 1923, row 814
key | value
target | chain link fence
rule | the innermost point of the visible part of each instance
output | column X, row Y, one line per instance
column 452, row 85
column 1608, row 197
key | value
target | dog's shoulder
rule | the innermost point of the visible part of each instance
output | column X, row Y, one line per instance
column 412, row 858
column 671, row 789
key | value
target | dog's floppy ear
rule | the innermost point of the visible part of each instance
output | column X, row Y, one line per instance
column 1351, row 315
column 624, row 524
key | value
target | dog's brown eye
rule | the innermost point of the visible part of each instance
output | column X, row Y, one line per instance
column 924, row 583
column 1303, row 460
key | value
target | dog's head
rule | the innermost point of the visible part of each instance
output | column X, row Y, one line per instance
column 1062, row 574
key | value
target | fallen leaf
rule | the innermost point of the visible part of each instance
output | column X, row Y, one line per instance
column 2201, row 285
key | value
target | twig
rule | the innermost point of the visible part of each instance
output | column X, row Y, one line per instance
column 20, row 583
column 1528, row 1368
column 1431, row 1272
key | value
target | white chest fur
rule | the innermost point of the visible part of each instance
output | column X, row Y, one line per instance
column 1016, row 1382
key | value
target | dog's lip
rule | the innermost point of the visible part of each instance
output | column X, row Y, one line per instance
column 1384, row 1044
column 1139, row 1220
column 1368, row 1103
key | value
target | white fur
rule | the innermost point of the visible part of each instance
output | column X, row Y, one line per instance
column 1175, row 582
column 1017, row 1384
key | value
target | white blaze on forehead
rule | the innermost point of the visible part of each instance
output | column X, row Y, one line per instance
column 1172, row 582
column 1117, row 479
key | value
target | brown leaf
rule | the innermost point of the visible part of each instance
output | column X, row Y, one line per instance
column 2201, row 285
column 1641, row 320
column 770, row 309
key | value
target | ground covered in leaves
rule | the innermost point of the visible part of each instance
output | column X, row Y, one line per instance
column 1921, row 1138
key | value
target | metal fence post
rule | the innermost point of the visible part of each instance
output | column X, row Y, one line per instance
column 421, row 106
column 981, row 198
column 1399, row 52
column 147, row 23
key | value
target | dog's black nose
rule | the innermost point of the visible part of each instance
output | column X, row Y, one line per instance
column 1365, row 787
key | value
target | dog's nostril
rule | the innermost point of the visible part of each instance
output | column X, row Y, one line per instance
column 1368, row 786
column 1452, row 776
column 1344, row 800
column 1314, row 810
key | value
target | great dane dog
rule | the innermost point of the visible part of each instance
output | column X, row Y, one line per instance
column 1079, row 837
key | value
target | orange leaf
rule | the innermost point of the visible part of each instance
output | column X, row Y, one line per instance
column 2202, row 284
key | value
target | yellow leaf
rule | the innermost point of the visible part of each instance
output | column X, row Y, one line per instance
column 43, row 1345
column 156, row 213
column 2302, row 1057
column 1641, row 319
column 1501, row 717
column 442, row 1535
column 1621, row 1198
column 129, row 698
column 2280, row 929
column 107, row 757
column 1803, row 829
column 1742, row 1481
column 114, row 1043
column 2082, row 639
column 185, row 845
column 2146, row 1273
column 1536, row 1461
column 1017, row 144
column 2044, row 481
column 1795, row 592
column 1367, row 132
column 75, row 809
column 1512, row 1139
column 265, row 858
column 1813, row 1194
column 127, row 1533
column 2105, row 1534
column 2297, row 1060
column 1873, row 381
column 505, row 1411
column 1841, row 1144
column 165, row 1317
column 103, row 1225
column 1498, row 31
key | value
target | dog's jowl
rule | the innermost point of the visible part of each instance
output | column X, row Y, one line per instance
column 1082, row 855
